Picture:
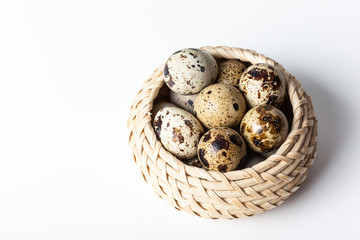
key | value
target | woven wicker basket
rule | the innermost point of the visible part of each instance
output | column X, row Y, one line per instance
column 232, row 194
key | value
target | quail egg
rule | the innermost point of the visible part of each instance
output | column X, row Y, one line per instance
column 189, row 70
column 230, row 71
column 195, row 162
column 219, row 105
column 159, row 105
column 262, row 84
column 264, row 128
column 178, row 131
column 221, row 149
column 184, row 101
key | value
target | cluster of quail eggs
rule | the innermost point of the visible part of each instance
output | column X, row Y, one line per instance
column 218, row 110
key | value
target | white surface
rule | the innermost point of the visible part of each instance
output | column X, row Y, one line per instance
column 69, row 71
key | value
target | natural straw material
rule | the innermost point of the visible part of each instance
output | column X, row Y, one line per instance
column 232, row 194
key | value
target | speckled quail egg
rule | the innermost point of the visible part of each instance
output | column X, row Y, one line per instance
column 178, row 131
column 159, row 105
column 219, row 105
column 195, row 162
column 184, row 101
column 221, row 149
column 230, row 71
column 189, row 70
column 264, row 128
column 262, row 84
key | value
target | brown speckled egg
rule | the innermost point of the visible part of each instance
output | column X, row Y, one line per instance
column 195, row 162
column 189, row 70
column 219, row 105
column 221, row 149
column 159, row 105
column 178, row 131
column 184, row 101
column 230, row 71
column 264, row 128
column 262, row 84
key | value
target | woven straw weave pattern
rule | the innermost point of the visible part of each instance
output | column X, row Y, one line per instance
column 232, row 194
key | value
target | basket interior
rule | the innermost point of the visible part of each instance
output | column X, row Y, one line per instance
column 252, row 158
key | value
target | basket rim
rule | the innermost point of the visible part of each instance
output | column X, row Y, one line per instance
column 268, row 159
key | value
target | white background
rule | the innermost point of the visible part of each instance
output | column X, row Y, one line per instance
column 69, row 71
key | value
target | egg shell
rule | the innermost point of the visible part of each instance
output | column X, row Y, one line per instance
column 195, row 162
column 178, row 131
column 219, row 105
column 230, row 71
column 264, row 128
column 262, row 84
column 189, row 70
column 159, row 105
column 221, row 149
column 184, row 101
